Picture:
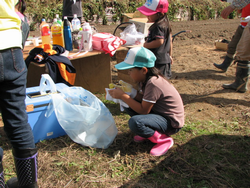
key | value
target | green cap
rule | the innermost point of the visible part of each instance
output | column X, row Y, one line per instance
column 137, row 57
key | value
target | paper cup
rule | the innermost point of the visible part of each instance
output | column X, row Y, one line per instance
column 35, row 41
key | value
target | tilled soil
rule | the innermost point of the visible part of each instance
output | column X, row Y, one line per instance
column 199, row 84
column 194, row 75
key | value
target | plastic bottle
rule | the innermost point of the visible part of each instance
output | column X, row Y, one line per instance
column 59, row 20
column 76, row 23
column 78, row 44
column 45, row 32
column 86, row 40
column 67, row 34
column 57, row 34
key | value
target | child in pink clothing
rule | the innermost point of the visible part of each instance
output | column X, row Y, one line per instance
column 159, row 39
column 20, row 8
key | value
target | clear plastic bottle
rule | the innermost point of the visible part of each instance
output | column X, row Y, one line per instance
column 76, row 23
column 45, row 32
column 67, row 34
column 79, row 39
column 86, row 40
column 57, row 33
column 59, row 20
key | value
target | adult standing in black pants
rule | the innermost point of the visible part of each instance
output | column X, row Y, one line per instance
column 71, row 7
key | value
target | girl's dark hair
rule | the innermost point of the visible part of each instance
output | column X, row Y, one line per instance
column 151, row 72
column 21, row 6
column 163, row 22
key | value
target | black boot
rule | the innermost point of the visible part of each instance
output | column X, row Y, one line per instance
column 226, row 63
column 242, row 74
column 26, row 169
column 2, row 184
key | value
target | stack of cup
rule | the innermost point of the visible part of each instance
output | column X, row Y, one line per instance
column 35, row 41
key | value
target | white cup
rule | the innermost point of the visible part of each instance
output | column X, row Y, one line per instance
column 35, row 41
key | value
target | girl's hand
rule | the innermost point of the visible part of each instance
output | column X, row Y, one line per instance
column 116, row 93
column 172, row 61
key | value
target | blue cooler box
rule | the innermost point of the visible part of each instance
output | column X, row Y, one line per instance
column 43, row 128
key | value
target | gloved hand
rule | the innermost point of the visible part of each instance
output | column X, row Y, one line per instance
column 121, row 102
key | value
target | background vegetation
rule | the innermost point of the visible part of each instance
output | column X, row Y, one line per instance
column 197, row 9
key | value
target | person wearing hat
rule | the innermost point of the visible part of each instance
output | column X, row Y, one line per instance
column 159, row 39
column 156, row 111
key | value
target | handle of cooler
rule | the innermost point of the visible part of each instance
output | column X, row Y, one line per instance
column 47, row 83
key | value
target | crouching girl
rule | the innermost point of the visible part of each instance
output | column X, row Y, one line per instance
column 157, row 110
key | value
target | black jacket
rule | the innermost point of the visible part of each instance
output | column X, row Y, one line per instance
column 60, row 67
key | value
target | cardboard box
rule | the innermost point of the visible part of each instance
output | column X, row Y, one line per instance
column 141, row 25
column 138, row 14
column 221, row 45
column 43, row 128
column 123, row 74
column 127, row 16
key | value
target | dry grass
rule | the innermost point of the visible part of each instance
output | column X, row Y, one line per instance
column 201, row 157
column 211, row 151
column 206, row 154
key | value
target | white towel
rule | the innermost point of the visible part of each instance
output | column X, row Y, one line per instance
column 121, row 102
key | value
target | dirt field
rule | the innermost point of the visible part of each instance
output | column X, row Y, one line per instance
column 194, row 75
column 63, row 163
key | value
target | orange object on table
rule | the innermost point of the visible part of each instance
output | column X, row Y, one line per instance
column 93, row 70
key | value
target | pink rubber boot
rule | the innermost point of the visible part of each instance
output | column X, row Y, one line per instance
column 163, row 144
column 158, row 137
column 138, row 138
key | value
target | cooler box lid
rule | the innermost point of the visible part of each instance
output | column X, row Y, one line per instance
column 35, row 101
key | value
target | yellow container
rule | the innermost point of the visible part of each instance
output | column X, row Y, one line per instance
column 45, row 32
column 57, row 34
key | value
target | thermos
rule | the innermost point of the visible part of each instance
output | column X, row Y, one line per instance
column 67, row 34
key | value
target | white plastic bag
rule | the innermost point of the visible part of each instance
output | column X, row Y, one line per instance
column 131, row 35
column 85, row 119
column 46, row 81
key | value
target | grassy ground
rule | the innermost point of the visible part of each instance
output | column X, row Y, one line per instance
column 206, row 154
column 211, row 151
